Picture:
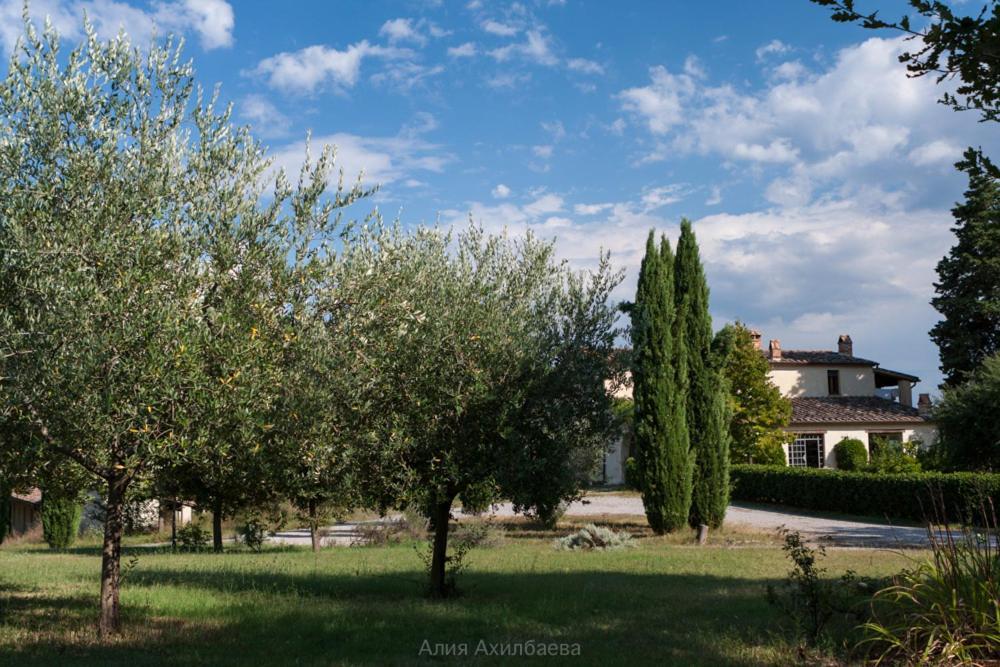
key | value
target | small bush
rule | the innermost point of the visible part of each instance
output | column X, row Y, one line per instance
column 193, row 536
column 897, row 496
column 595, row 537
column 894, row 456
column 632, row 474
column 60, row 520
column 809, row 598
column 947, row 609
column 851, row 454
column 253, row 530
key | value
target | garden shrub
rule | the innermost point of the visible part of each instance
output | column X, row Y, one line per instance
column 595, row 537
column 809, row 598
column 851, row 454
column 632, row 474
column 193, row 536
column 893, row 456
column 946, row 610
column 897, row 496
column 60, row 520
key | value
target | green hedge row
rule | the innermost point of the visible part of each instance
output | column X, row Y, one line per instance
column 896, row 496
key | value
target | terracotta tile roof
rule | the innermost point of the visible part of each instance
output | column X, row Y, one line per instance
column 851, row 410
column 818, row 357
column 32, row 496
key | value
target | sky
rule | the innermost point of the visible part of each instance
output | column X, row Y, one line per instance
column 818, row 177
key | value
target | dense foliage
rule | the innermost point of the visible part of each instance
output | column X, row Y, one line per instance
column 707, row 405
column 490, row 371
column 969, row 421
column 968, row 287
column 851, row 454
column 60, row 520
column 664, row 461
column 903, row 496
column 759, row 411
column 946, row 610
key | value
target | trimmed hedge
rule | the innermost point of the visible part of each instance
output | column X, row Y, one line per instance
column 896, row 496
column 851, row 454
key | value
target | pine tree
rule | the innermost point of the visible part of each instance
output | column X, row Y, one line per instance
column 707, row 405
column 664, row 482
column 968, row 288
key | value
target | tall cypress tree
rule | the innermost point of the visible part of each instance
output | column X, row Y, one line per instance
column 968, row 287
column 707, row 407
column 680, row 457
column 655, row 393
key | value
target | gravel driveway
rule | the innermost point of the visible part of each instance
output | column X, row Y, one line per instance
column 838, row 532
column 817, row 528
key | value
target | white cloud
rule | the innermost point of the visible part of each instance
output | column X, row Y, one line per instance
column 383, row 160
column 407, row 30
column 937, row 152
column 660, row 104
column 658, row 197
column 546, row 203
column 501, row 191
column 584, row 66
column 211, row 20
column 714, row 197
column 509, row 80
column 402, row 30
column 308, row 69
column 544, row 151
column 501, row 29
column 536, row 48
column 266, row 120
column 591, row 209
column 556, row 129
column 774, row 47
column 466, row 50
column 405, row 75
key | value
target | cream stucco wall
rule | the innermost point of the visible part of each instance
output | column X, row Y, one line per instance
column 832, row 435
column 811, row 380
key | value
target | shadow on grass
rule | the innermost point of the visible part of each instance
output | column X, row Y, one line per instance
column 265, row 618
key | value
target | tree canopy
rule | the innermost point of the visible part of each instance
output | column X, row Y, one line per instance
column 968, row 286
column 759, row 411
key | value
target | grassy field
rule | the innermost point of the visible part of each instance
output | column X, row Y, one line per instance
column 659, row 603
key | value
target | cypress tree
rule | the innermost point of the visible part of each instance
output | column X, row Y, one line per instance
column 654, row 393
column 968, row 287
column 679, row 457
column 707, row 405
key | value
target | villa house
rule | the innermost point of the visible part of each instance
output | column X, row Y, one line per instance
column 834, row 395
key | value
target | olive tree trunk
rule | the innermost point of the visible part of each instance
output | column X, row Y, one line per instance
column 313, row 526
column 440, row 516
column 217, row 526
column 111, row 556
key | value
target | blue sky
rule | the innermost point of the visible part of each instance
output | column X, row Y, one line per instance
column 819, row 177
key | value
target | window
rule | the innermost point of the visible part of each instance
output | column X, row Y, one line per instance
column 833, row 382
column 807, row 451
column 878, row 442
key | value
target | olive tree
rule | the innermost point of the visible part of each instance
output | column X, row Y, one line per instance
column 142, row 280
column 488, row 370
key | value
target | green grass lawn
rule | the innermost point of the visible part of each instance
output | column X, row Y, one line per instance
column 659, row 603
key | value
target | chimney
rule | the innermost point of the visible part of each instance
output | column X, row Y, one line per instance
column 774, row 347
column 755, row 337
column 845, row 345
column 924, row 405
